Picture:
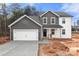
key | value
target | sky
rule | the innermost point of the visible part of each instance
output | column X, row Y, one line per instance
column 70, row 8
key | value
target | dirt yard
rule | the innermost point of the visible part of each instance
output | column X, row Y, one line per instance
column 4, row 39
column 61, row 48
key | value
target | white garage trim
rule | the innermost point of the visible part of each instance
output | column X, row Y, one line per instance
column 25, row 34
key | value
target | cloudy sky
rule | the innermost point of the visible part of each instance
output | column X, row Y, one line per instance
column 71, row 8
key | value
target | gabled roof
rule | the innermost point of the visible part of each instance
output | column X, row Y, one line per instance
column 47, row 12
column 22, row 18
column 60, row 14
column 36, row 18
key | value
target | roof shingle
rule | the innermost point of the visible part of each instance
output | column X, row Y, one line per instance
column 52, row 26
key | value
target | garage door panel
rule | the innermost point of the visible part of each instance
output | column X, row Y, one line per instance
column 25, row 34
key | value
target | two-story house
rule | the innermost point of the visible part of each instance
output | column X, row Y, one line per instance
column 47, row 25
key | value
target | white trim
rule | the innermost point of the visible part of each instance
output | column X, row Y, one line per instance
column 47, row 12
column 51, row 20
column 43, row 20
column 21, row 18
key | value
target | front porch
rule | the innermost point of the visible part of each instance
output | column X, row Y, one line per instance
column 51, row 33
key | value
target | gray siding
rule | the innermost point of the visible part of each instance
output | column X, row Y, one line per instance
column 49, row 15
column 25, row 23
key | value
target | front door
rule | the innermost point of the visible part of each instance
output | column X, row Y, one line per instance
column 44, row 32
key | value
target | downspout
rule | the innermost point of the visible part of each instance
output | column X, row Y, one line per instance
column 41, row 33
column 10, row 33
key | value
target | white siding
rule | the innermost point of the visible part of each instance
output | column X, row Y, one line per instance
column 57, row 33
column 66, row 26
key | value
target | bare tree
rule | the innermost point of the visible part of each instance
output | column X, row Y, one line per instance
column 4, row 15
column 16, row 12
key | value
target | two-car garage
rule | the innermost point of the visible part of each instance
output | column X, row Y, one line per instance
column 25, row 34
column 25, row 28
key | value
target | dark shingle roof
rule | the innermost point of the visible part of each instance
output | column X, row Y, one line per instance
column 63, row 14
column 52, row 26
column 36, row 18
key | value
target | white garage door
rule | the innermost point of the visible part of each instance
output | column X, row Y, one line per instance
column 25, row 34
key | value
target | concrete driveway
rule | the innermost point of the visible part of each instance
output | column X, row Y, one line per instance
column 19, row 48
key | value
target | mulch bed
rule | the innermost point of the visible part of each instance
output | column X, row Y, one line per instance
column 4, row 39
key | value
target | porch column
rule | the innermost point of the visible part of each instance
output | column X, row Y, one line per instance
column 49, row 33
column 60, row 32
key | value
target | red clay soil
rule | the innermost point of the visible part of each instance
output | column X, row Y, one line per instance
column 75, row 36
column 4, row 39
column 59, row 47
column 54, row 48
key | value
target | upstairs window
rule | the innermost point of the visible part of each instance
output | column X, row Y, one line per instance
column 44, row 20
column 63, row 21
column 52, row 20
column 63, row 31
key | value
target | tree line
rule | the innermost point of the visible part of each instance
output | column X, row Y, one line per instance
column 11, row 13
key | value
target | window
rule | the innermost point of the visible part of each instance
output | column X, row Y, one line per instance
column 63, row 31
column 44, row 20
column 53, row 31
column 77, row 29
column 63, row 20
column 52, row 20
